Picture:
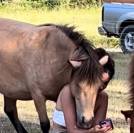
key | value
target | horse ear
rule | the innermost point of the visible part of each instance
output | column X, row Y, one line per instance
column 104, row 60
column 75, row 64
column 77, row 56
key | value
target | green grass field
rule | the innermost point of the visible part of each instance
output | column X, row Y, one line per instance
column 86, row 21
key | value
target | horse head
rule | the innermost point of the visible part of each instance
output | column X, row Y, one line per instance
column 85, row 91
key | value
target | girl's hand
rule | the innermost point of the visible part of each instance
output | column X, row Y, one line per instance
column 98, row 129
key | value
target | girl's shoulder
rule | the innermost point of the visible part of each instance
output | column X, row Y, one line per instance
column 66, row 90
column 64, row 93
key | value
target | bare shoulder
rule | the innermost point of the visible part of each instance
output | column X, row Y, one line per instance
column 66, row 90
column 63, row 96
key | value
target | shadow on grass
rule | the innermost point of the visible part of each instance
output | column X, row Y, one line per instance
column 7, row 127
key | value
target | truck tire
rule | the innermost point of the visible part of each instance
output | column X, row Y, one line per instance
column 127, row 39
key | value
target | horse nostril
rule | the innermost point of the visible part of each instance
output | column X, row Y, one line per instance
column 86, row 123
column 83, row 119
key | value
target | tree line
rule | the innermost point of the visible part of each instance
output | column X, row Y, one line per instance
column 55, row 3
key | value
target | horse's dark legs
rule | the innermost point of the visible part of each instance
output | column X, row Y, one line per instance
column 129, row 114
column 40, row 102
column 45, row 126
column 132, row 123
column 11, row 111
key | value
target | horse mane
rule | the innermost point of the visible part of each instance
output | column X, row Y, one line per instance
column 91, row 69
column 131, row 81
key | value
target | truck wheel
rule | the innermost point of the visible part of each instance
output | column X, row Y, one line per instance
column 127, row 39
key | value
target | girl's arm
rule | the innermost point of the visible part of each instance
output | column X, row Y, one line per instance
column 68, row 107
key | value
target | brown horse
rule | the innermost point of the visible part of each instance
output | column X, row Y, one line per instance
column 130, row 113
column 37, row 61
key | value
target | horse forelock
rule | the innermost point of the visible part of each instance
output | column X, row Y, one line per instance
column 131, row 81
column 88, row 72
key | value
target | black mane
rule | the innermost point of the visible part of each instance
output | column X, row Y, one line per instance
column 91, row 68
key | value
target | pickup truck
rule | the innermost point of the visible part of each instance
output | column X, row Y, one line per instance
column 118, row 21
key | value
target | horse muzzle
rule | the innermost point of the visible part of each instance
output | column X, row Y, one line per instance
column 86, row 124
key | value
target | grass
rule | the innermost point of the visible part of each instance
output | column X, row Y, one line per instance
column 86, row 21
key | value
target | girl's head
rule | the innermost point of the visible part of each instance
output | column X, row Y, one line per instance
column 108, row 68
